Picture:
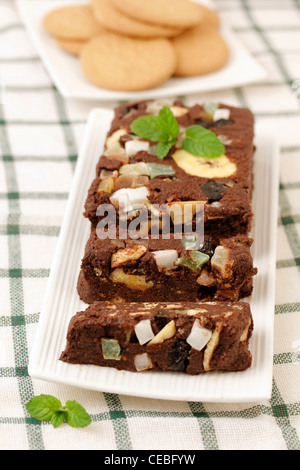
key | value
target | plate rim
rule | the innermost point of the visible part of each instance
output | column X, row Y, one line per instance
column 37, row 348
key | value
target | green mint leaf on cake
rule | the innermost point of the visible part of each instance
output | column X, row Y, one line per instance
column 163, row 149
column 202, row 142
column 168, row 124
column 49, row 408
column 147, row 127
column 164, row 130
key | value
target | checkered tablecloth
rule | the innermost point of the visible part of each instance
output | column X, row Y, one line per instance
column 40, row 135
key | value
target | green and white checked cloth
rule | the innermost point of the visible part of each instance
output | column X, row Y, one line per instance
column 40, row 134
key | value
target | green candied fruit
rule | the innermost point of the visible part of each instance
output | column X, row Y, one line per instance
column 158, row 169
column 111, row 349
column 193, row 260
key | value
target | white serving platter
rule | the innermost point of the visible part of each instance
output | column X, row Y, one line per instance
column 62, row 302
column 65, row 72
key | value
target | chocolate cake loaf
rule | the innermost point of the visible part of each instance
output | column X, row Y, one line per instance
column 129, row 167
column 184, row 336
column 166, row 270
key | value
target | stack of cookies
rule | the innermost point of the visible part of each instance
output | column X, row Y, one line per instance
column 133, row 45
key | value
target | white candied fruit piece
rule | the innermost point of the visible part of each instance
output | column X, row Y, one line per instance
column 199, row 336
column 165, row 259
column 134, row 146
column 142, row 362
column 168, row 331
column 143, row 331
column 221, row 113
column 129, row 198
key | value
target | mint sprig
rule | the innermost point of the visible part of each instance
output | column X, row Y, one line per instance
column 164, row 130
column 49, row 408
column 202, row 142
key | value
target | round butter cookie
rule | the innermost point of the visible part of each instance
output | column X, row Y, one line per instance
column 72, row 22
column 180, row 14
column 112, row 19
column 210, row 17
column 200, row 51
column 116, row 62
column 70, row 46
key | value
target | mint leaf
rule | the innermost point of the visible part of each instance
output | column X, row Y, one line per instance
column 168, row 124
column 202, row 142
column 163, row 149
column 42, row 407
column 49, row 408
column 57, row 418
column 147, row 127
column 76, row 416
column 163, row 129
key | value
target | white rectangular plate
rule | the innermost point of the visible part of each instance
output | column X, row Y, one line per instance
column 65, row 71
column 62, row 301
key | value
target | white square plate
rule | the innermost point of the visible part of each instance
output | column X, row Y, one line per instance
column 65, row 71
column 62, row 301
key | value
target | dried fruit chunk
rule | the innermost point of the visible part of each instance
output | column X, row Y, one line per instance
column 132, row 281
column 158, row 169
column 220, row 167
column 214, row 190
column 221, row 113
column 165, row 259
column 106, row 185
column 193, row 260
column 199, row 336
column 115, row 137
column 139, row 168
column 208, row 246
column 183, row 212
column 131, row 181
column 179, row 111
column 143, row 331
column 206, row 279
column 111, row 349
column 131, row 253
column 142, row 362
column 167, row 332
column 132, row 147
column 221, row 262
column 129, row 198
column 211, row 346
column 178, row 356
column 117, row 152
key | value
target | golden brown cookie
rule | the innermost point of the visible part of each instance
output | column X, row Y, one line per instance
column 200, row 51
column 71, row 46
column 72, row 22
column 180, row 14
column 112, row 19
column 116, row 62
column 210, row 17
